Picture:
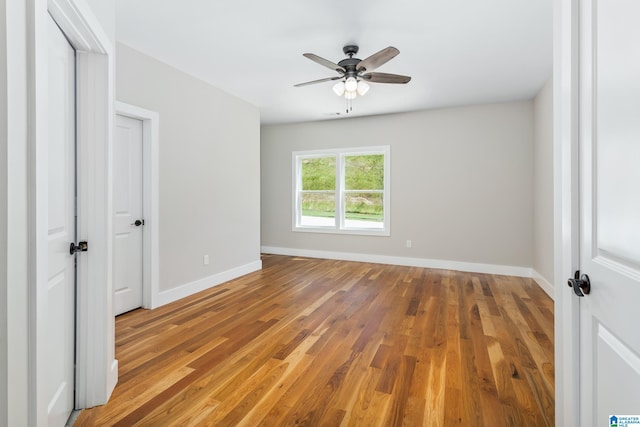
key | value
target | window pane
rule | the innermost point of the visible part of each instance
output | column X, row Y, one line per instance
column 318, row 209
column 364, row 210
column 364, row 172
column 319, row 173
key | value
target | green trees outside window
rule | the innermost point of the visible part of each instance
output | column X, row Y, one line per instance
column 319, row 187
column 364, row 187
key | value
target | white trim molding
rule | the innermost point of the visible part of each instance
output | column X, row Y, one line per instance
column 174, row 294
column 95, row 320
column 81, row 27
column 546, row 286
column 506, row 270
column 150, row 194
column 95, row 97
column 566, row 47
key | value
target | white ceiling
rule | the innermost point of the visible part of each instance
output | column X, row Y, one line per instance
column 458, row 52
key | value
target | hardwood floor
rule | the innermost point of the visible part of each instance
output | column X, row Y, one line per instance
column 327, row 343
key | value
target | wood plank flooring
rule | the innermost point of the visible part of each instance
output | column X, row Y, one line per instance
column 330, row 343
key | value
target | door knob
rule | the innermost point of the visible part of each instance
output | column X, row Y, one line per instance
column 138, row 222
column 580, row 284
column 80, row 247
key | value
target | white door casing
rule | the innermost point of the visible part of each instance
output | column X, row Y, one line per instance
column 609, row 209
column 150, row 206
column 127, row 203
column 61, row 226
column 566, row 222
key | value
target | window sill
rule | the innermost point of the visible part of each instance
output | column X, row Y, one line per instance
column 346, row 231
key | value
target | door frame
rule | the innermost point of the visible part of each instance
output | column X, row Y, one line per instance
column 150, row 206
column 566, row 91
column 96, row 367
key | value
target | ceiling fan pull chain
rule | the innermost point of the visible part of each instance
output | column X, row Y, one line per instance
column 349, row 105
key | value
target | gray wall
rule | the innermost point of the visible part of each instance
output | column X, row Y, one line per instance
column 16, row 271
column 209, row 168
column 543, row 255
column 461, row 183
column 4, row 343
column 105, row 13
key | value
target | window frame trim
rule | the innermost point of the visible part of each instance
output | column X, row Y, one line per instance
column 339, row 226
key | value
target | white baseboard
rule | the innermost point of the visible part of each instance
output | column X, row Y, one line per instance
column 544, row 284
column 174, row 294
column 473, row 267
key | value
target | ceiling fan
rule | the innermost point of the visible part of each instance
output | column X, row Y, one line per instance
column 354, row 73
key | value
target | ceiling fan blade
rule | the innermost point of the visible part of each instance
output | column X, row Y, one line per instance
column 377, row 59
column 386, row 78
column 328, row 79
column 324, row 62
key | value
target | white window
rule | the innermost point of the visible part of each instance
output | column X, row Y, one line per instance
column 342, row 190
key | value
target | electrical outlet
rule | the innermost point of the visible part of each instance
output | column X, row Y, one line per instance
column 408, row 243
column 205, row 260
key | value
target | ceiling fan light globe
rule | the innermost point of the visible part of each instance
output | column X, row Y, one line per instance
column 350, row 95
column 338, row 88
column 363, row 87
column 351, row 84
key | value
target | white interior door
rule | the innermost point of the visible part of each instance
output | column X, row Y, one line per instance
column 60, row 301
column 610, row 209
column 128, row 222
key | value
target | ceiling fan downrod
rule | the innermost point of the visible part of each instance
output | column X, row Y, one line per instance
column 350, row 50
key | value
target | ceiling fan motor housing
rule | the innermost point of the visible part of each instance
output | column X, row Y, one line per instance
column 350, row 63
column 350, row 49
